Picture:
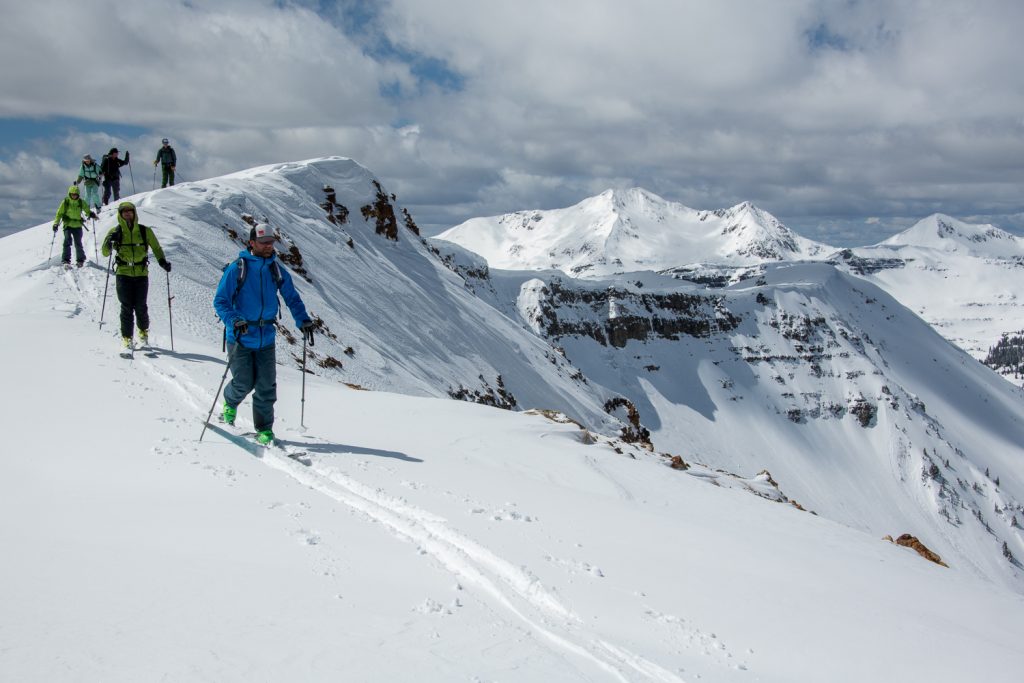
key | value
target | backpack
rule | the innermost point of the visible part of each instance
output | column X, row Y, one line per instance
column 243, row 271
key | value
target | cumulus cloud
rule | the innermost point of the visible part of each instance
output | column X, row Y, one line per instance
column 822, row 112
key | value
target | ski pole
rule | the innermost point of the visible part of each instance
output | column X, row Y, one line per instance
column 227, row 366
column 95, row 248
column 107, row 284
column 154, row 177
column 302, row 414
column 132, row 176
column 51, row 246
column 306, row 334
column 169, row 316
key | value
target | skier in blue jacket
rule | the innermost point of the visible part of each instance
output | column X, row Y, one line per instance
column 246, row 301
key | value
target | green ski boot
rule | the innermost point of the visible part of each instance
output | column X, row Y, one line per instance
column 229, row 414
column 265, row 437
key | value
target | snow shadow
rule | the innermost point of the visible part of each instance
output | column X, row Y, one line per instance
column 190, row 357
column 341, row 449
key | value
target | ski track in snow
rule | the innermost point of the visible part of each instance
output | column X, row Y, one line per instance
column 515, row 589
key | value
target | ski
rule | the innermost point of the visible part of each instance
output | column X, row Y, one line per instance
column 247, row 441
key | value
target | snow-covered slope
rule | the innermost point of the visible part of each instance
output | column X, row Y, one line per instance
column 430, row 539
column 621, row 231
column 966, row 280
column 859, row 409
column 393, row 317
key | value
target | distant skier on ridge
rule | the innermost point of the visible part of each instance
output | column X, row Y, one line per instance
column 168, row 160
column 132, row 242
column 247, row 303
column 90, row 172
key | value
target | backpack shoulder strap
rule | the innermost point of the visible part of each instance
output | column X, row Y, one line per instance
column 275, row 272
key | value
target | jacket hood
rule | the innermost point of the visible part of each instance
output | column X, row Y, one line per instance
column 120, row 218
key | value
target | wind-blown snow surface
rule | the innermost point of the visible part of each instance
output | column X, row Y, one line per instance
column 430, row 540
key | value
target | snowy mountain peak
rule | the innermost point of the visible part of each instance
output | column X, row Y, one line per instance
column 623, row 230
column 630, row 198
column 946, row 233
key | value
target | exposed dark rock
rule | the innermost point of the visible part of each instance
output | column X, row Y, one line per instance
column 383, row 213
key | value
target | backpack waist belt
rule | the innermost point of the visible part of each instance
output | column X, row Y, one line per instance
column 124, row 262
column 259, row 323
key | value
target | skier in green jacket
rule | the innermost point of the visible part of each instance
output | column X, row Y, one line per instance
column 132, row 242
column 73, row 211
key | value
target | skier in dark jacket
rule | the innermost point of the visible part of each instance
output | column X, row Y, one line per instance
column 110, row 167
column 72, row 212
column 132, row 242
column 168, row 160
column 248, row 312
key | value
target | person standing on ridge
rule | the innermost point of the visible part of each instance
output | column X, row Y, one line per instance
column 167, row 159
column 246, row 301
column 110, row 167
column 72, row 211
column 132, row 242
column 90, row 172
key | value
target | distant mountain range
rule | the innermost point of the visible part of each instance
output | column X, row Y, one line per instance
column 622, row 231
column 966, row 280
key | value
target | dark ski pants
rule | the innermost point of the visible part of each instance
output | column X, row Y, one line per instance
column 168, row 175
column 132, row 293
column 76, row 235
column 111, row 185
column 253, row 369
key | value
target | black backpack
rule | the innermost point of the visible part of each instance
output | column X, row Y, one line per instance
column 243, row 271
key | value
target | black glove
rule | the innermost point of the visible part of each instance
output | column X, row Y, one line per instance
column 165, row 264
column 307, row 331
column 55, row 227
column 241, row 327
column 126, row 156
column 92, row 215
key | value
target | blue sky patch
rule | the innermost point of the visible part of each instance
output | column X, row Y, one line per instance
column 15, row 133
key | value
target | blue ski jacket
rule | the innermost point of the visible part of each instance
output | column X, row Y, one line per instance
column 255, row 301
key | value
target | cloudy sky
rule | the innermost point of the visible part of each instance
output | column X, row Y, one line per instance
column 847, row 119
